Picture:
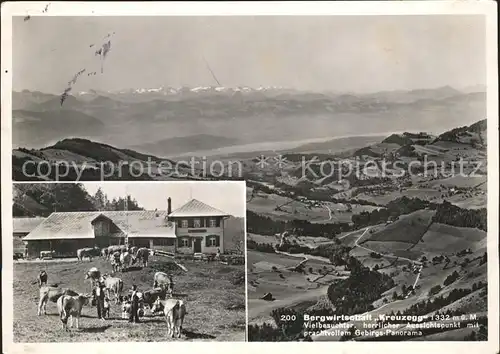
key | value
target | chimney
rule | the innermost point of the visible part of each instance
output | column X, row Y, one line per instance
column 169, row 207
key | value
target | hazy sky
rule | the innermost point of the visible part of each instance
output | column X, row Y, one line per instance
column 339, row 53
column 228, row 197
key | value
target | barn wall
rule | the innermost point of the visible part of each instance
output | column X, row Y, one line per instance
column 62, row 248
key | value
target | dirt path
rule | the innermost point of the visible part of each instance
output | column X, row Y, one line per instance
column 303, row 256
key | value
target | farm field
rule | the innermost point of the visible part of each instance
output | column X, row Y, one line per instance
column 214, row 296
column 409, row 228
column 301, row 240
column 289, row 209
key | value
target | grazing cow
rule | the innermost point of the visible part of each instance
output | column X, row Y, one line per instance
column 150, row 296
column 87, row 252
column 117, row 248
column 142, row 255
column 51, row 293
column 42, row 278
column 165, row 281
column 71, row 306
column 104, row 253
column 113, row 285
column 175, row 311
column 125, row 260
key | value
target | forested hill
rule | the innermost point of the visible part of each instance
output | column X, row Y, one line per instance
column 42, row 199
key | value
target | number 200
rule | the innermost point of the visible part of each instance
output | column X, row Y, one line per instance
column 288, row 317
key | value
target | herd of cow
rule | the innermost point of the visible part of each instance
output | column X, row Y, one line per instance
column 158, row 299
column 120, row 256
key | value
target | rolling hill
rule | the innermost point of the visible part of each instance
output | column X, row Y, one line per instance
column 94, row 161
column 472, row 138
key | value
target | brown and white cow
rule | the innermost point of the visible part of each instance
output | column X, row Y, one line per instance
column 125, row 260
column 142, row 255
column 150, row 296
column 175, row 311
column 165, row 281
column 133, row 250
column 116, row 248
column 113, row 285
column 71, row 307
column 51, row 293
column 88, row 252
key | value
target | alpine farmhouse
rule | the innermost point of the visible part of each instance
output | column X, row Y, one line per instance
column 195, row 227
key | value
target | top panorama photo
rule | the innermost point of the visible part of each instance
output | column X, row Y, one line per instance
column 112, row 106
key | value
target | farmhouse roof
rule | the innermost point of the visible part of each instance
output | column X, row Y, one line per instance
column 78, row 225
column 25, row 225
column 196, row 208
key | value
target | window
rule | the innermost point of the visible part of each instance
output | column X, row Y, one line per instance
column 213, row 222
column 212, row 241
column 197, row 223
column 185, row 242
column 184, row 223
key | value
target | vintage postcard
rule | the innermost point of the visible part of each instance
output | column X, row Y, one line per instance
column 346, row 154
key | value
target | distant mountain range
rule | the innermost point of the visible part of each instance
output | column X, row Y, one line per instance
column 216, row 117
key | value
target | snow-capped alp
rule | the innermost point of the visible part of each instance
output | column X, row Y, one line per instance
column 167, row 90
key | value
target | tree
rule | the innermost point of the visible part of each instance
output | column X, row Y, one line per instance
column 394, row 296
column 121, row 204
column 100, row 199
column 434, row 290
column 42, row 199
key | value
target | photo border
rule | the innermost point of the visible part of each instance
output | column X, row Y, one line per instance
column 352, row 8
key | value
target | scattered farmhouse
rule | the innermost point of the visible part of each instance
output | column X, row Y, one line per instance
column 195, row 227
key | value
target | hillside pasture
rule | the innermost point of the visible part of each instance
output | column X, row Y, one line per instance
column 408, row 228
column 475, row 201
column 214, row 296
column 447, row 239
column 386, row 197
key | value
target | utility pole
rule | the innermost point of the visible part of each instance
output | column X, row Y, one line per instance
column 126, row 209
